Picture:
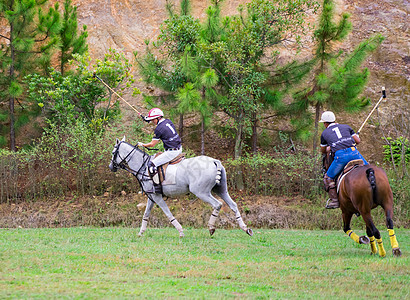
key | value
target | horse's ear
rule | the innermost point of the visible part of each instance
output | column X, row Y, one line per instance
column 117, row 141
column 123, row 139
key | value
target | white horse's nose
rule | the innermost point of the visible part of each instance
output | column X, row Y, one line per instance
column 111, row 166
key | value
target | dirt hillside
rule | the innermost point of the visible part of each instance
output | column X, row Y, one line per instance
column 125, row 25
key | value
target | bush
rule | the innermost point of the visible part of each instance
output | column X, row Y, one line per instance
column 282, row 175
column 397, row 150
column 69, row 160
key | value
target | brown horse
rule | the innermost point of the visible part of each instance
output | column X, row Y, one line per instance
column 360, row 190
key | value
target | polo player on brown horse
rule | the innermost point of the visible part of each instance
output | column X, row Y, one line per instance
column 361, row 189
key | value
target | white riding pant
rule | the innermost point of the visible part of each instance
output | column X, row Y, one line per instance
column 166, row 156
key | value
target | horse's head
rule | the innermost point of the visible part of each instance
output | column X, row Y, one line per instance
column 327, row 159
column 116, row 157
column 128, row 157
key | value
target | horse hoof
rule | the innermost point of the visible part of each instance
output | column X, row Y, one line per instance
column 396, row 252
column 364, row 240
column 181, row 235
column 249, row 231
column 212, row 231
column 140, row 234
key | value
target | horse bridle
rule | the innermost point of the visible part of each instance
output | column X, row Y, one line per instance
column 123, row 164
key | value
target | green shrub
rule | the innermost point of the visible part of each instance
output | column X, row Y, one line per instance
column 67, row 160
column 396, row 150
column 279, row 175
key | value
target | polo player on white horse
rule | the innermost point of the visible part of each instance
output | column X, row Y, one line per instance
column 165, row 132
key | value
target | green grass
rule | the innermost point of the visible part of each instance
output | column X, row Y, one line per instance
column 91, row 263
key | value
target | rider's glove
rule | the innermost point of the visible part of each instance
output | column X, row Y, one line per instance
column 143, row 118
column 139, row 144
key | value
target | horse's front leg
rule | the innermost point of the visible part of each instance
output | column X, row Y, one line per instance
column 144, row 223
column 161, row 203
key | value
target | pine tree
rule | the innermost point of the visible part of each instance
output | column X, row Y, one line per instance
column 237, row 49
column 25, row 48
column 338, row 79
column 71, row 42
column 161, row 63
column 198, row 92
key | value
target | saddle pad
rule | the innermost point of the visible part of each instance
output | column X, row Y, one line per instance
column 170, row 175
column 340, row 179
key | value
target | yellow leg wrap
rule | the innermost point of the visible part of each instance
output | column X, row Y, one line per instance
column 373, row 245
column 353, row 236
column 393, row 240
column 382, row 252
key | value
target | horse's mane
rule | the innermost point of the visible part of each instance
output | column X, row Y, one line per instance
column 135, row 147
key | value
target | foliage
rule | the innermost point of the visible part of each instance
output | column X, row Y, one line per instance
column 397, row 150
column 339, row 79
column 218, row 64
column 235, row 48
column 71, row 42
column 27, row 48
column 284, row 174
column 79, row 94
column 68, row 160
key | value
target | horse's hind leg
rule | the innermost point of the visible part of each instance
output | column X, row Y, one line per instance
column 372, row 233
column 393, row 241
column 208, row 198
column 347, row 217
column 223, row 193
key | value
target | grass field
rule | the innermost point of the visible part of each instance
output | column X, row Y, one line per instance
column 91, row 263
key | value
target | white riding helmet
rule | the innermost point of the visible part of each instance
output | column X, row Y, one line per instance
column 154, row 113
column 328, row 117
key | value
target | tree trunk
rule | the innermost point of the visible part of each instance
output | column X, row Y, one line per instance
column 315, row 135
column 238, row 141
column 254, row 133
column 238, row 153
column 181, row 126
column 12, row 121
column 11, row 99
column 203, row 137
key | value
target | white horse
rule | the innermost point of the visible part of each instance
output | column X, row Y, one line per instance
column 198, row 175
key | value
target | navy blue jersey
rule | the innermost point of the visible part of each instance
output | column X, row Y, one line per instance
column 166, row 132
column 337, row 136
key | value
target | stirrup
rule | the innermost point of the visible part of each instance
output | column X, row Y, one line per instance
column 158, row 188
column 332, row 203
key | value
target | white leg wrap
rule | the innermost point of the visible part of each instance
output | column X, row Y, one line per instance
column 178, row 227
column 241, row 223
column 143, row 227
column 213, row 218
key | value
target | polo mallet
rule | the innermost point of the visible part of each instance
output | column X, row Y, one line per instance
column 374, row 108
column 102, row 81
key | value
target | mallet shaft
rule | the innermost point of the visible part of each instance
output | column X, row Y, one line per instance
column 117, row 94
column 374, row 108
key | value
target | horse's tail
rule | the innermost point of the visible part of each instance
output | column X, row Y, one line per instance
column 372, row 179
column 219, row 168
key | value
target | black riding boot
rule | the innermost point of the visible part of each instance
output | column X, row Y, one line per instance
column 153, row 173
column 330, row 187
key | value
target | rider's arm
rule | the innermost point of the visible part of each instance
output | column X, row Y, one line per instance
column 151, row 144
column 356, row 139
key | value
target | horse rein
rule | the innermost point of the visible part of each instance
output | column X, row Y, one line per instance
column 123, row 164
column 141, row 171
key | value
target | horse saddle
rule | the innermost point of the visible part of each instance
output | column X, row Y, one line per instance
column 162, row 169
column 352, row 164
column 349, row 167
